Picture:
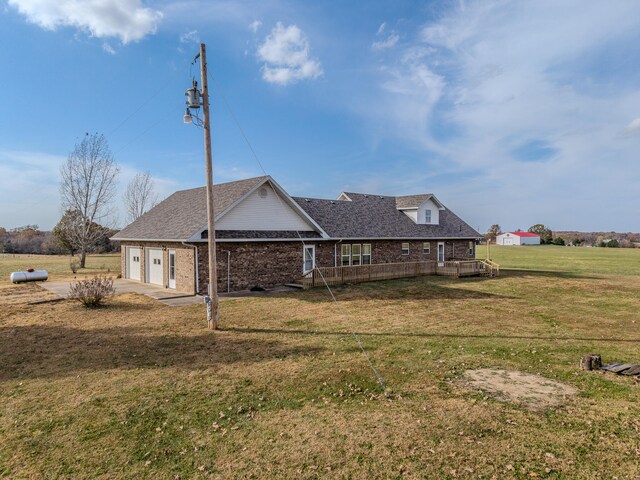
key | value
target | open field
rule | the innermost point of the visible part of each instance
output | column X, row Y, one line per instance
column 589, row 260
column 141, row 390
column 57, row 265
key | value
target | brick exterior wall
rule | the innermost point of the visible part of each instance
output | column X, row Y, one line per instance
column 267, row 264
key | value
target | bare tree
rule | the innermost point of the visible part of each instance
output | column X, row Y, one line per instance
column 139, row 196
column 88, row 186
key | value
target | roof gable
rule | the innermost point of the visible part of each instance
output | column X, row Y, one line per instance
column 184, row 213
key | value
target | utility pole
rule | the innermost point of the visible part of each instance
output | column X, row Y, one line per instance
column 193, row 101
column 213, row 271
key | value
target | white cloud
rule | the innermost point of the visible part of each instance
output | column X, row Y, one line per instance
column 255, row 25
column 285, row 53
column 487, row 77
column 633, row 129
column 29, row 188
column 190, row 37
column 127, row 20
column 108, row 48
column 389, row 42
column 381, row 28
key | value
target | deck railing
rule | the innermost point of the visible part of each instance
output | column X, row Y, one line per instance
column 366, row 273
column 386, row 271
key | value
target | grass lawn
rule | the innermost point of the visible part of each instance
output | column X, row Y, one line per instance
column 610, row 261
column 142, row 390
column 57, row 265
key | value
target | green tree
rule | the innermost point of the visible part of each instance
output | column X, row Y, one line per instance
column 494, row 231
column 63, row 231
column 546, row 236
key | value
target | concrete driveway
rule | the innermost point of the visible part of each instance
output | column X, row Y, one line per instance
column 166, row 296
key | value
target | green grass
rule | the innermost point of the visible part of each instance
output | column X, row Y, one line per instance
column 57, row 265
column 141, row 390
column 576, row 260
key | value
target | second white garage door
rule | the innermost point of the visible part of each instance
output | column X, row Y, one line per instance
column 153, row 268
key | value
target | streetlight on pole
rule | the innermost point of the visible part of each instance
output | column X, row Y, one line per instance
column 193, row 101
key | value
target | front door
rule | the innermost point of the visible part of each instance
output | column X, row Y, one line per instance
column 172, row 269
column 441, row 253
column 133, row 263
column 309, row 253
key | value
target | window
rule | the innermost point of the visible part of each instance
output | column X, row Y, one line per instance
column 346, row 255
column 355, row 254
column 366, row 254
column 471, row 248
column 405, row 248
column 427, row 215
column 426, row 248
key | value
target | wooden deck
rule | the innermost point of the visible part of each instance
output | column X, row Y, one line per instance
column 386, row 271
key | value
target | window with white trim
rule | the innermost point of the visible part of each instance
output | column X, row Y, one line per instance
column 426, row 248
column 405, row 248
column 366, row 254
column 346, row 255
column 427, row 215
column 356, row 254
column 471, row 248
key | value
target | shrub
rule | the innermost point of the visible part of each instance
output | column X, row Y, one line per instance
column 92, row 292
column 74, row 265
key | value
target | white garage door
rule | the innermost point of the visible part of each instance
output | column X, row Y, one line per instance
column 133, row 263
column 507, row 241
column 154, row 266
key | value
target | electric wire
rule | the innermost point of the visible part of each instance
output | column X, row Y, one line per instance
column 333, row 297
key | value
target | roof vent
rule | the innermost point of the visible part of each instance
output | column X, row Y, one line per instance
column 332, row 202
column 307, row 200
column 263, row 192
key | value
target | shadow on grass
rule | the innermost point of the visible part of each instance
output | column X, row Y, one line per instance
column 46, row 351
column 314, row 332
column 410, row 289
column 521, row 272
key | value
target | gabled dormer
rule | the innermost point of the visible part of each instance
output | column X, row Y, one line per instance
column 422, row 209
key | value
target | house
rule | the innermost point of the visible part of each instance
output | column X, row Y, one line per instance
column 264, row 237
column 518, row 238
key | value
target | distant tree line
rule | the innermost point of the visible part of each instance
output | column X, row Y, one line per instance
column 87, row 189
column 574, row 238
column 30, row 239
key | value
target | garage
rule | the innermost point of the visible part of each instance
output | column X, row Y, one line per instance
column 133, row 263
column 153, row 262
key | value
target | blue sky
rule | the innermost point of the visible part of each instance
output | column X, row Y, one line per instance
column 511, row 112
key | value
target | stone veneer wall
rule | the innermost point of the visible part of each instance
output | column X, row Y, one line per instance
column 267, row 264
column 185, row 268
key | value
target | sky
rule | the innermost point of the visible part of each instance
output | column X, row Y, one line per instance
column 510, row 112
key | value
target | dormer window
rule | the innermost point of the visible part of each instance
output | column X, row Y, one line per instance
column 427, row 215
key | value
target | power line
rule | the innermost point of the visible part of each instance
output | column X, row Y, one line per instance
column 333, row 297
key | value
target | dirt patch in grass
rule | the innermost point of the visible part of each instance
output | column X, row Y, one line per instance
column 23, row 294
column 531, row 391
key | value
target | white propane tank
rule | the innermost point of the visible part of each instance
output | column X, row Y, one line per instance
column 35, row 276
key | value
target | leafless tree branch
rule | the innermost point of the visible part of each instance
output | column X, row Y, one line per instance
column 88, row 187
column 139, row 196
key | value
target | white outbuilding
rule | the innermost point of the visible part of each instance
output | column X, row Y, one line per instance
column 518, row 238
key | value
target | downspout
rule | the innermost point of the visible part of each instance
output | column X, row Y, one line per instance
column 228, row 270
column 335, row 253
column 195, row 254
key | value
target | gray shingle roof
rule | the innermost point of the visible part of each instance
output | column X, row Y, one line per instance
column 184, row 213
column 376, row 216
column 409, row 201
